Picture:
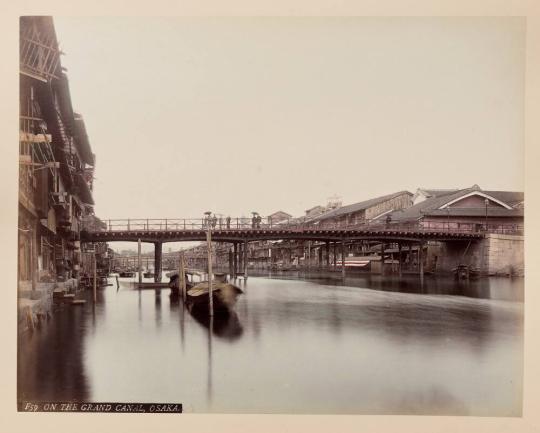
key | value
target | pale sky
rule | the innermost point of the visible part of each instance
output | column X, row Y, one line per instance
column 264, row 114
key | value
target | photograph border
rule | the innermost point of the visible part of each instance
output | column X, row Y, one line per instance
column 47, row 422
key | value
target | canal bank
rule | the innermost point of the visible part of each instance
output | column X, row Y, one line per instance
column 296, row 344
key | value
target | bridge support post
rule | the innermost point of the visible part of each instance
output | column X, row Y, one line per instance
column 400, row 259
column 158, row 248
column 139, row 260
column 343, row 273
column 382, row 258
column 335, row 256
column 309, row 255
column 235, row 260
column 240, row 257
column 327, row 247
column 421, row 261
column 230, row 263
column 245, row 260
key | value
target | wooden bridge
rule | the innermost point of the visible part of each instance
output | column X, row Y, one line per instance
column 243, row 229
column 240, row 231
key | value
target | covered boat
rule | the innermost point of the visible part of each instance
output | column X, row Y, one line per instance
column 224, row 296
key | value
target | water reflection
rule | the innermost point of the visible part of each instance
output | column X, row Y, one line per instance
column 50, row 360
column 226, row 326
column 371, row 345
column 485, row 288
column 209, row 376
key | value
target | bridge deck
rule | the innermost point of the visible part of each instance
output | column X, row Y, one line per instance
column 239, row 235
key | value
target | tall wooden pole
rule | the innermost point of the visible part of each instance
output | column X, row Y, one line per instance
column 95, row 276
column 139, row 261
column 210, row 275
column 181, row 274
column 33, row 263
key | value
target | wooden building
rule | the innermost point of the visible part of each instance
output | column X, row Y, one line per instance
column 471, row 209
column 365, row 211
column 56, row 165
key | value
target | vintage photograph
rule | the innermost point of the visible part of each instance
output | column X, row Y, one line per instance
column 262, row 215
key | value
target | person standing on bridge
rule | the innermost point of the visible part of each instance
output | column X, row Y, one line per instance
column 228, row 221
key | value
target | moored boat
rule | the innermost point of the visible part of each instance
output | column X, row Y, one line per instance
column 224, row 296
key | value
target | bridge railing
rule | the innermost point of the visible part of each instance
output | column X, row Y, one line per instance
column 244, row 223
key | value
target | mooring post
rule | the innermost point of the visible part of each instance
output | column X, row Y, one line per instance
column 235, row 260
column 182, row 275
column 343, row 258
column 210, row 275
column 139, row 261
column 245, row 260
column 157, row 261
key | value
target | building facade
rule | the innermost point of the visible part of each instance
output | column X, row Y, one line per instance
column 56, row 166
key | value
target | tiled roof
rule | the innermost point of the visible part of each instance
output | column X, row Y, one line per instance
column 431, row 205
column 359, row 206
column 475, row 211
column 438, row 192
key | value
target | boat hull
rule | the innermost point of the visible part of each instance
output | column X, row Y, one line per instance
column 224, row 297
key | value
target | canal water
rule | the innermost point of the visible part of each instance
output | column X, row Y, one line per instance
column 307, row 343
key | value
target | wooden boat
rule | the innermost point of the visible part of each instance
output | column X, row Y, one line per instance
column 464, row 272
column 148, row 274
column 126, row 274
column 224, row 296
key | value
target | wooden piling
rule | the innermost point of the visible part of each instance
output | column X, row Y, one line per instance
column 235, row 260
column 210, row 275
column 400, row 259
column 343, row 259
column 245, row 260
column 327, row 246
column 182, row 276
column 382, row 258
column 95, row 276
column 158, row 249
column 421, row 261
column 230, row 262
column 139, row 260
